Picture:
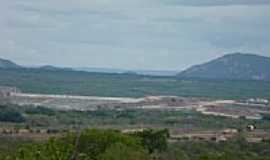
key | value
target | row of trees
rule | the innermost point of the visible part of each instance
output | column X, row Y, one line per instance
column 8, row 114
column 94, row 144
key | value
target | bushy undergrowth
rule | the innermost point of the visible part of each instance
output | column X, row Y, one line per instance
column 93, row 144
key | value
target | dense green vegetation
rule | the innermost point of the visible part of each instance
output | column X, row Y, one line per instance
column 235, row 149
column 266, row 117
column 96, row 144
column 44, row 118
column 10, row 145
column 93, row 145
column 127, row 85
column 10, row 115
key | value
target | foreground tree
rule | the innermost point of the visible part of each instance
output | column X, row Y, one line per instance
column 154, row 141
column 123, row 152
column 90, row 144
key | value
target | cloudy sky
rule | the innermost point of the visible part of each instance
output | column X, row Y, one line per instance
column 131, row 34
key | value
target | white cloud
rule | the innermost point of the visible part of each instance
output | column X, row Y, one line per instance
column 134, row 34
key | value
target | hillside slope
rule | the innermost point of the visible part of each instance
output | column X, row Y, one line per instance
column 6, row 64
column 237, row 66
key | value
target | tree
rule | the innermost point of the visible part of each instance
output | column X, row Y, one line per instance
column 93, row 142
column 154, row 140
column 120, row 151
column 10, row 115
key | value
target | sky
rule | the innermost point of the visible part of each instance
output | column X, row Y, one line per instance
column 131, row 34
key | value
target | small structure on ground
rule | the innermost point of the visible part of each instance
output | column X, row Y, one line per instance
column 251, row 128
column 6, row 92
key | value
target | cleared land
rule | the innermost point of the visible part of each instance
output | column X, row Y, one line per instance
column 225, row 108
column 43, row 115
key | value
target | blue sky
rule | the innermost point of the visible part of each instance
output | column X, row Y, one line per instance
column 141, row 34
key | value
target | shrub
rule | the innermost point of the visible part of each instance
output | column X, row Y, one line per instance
column 10, row 115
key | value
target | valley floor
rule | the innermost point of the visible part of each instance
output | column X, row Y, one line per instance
column 223, row 108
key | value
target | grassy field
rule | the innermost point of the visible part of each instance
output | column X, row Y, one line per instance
column 128, row 85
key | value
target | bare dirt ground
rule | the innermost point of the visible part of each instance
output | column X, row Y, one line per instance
column 84, row 103
column 234, row 109
column 225, row 108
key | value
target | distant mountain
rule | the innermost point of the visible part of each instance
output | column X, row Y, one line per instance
column 6, row 64
column 156, row 72
column 101, row 70
column 126, row 71
column 237, row 66
column 48, row 67
column 53, row 68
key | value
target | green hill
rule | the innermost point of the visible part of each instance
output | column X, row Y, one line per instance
column 237, row 66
